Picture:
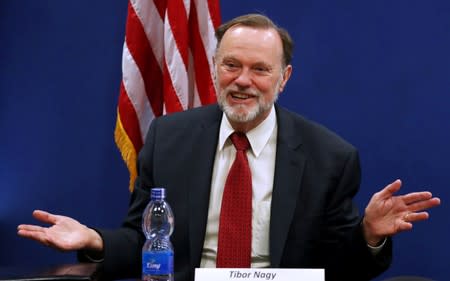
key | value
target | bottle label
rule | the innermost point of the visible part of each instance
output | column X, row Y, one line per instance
column 157, row 263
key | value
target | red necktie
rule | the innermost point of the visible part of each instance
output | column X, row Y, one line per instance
column 235, row 226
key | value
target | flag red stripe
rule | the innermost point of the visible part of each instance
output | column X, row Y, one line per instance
column 178, row 21
column 203, row 77
column 171, row 100
column 161, row 7
column 142, row 53
column 214, row 11
column 129, row 119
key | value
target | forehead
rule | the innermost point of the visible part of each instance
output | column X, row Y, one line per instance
column 251, row 43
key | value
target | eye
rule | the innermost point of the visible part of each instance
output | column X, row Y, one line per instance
column 262, row 69
column 230, row 65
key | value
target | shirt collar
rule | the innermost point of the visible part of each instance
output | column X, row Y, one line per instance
column 258, row 137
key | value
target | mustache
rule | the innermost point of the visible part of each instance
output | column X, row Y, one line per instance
column 230, row 89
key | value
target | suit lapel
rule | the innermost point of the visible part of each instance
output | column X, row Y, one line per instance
column 289, row 165
column 201, row 165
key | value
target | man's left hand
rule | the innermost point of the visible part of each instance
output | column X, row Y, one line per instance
column 387, row 214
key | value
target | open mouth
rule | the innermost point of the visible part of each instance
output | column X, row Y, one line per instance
column 241, row 96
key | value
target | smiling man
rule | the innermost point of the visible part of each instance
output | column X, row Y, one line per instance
column 250, row 183
column 249, row 82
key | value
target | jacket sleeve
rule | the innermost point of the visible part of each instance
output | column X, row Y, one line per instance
column 349, row 257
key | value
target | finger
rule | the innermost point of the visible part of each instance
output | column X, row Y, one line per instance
column 389, row 190
column 416, row 196
column 29, row 227
column 45, row 216
column 34, row 235
column 404, row 226
column 424, row 205
column 414, row 217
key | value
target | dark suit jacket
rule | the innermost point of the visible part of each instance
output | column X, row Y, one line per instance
column 314, row 223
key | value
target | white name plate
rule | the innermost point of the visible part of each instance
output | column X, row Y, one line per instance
column 258, row 274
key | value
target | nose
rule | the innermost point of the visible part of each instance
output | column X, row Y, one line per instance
column 244, row 79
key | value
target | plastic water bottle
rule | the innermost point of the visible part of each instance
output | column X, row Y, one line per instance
column 157, row 225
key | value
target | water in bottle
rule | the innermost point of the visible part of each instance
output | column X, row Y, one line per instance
column 157, row 225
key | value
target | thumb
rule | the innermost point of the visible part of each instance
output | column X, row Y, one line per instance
column 389, row 190
column 44, row 216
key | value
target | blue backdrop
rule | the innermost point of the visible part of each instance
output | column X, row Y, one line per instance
column 376, row 72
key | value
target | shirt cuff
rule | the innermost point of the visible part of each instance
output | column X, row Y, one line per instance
column 375, row 250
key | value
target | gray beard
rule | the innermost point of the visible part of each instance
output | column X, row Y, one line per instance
column 247, row 116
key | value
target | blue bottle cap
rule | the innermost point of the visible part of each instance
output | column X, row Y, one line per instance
column 158, row 193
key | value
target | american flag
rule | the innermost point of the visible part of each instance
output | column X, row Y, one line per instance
column 166, row 66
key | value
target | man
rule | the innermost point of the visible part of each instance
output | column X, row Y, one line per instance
column 303, row 179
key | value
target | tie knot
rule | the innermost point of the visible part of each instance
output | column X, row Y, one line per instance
column 240, row 141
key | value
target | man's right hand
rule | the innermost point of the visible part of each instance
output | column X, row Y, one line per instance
column 64, row 233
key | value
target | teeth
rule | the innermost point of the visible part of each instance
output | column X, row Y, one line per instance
column 240, row 96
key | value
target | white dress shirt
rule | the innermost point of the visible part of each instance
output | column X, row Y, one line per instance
column 261, row 158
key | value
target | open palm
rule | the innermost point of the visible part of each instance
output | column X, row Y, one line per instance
column 387, row 214
column 64, row 233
